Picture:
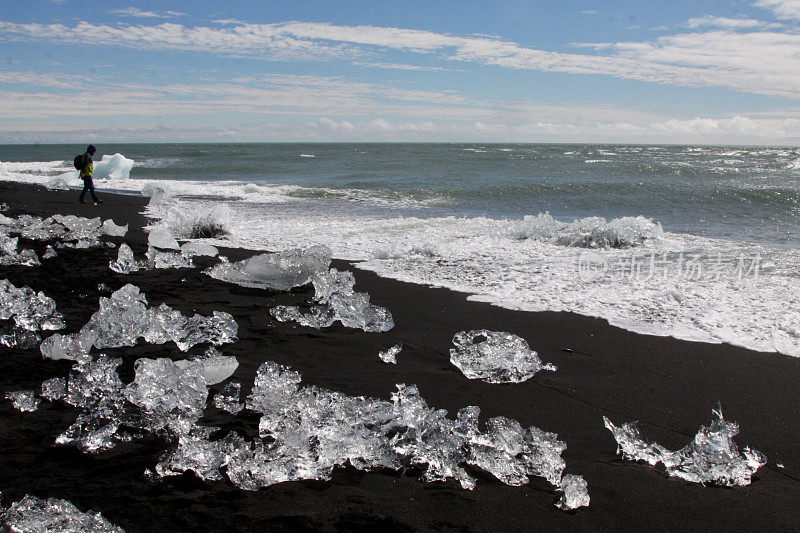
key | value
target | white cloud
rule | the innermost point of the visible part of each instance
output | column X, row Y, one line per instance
column 783, row 9
column 758, row 62
column 136, row 12
column 726, row 23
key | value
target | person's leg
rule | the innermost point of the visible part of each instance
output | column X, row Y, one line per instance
column 83, row 192
column 91, row 190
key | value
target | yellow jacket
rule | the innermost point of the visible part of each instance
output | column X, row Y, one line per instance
column 88, row 167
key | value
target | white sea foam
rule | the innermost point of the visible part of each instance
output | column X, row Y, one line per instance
column 531, row 264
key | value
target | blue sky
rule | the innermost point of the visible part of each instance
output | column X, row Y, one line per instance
column 490, row 71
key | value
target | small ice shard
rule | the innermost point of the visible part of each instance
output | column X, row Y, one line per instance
column 124, row 317
column 57, row 184
column 125, row 262
column 712, row 456
column 161, row 237
column 172, row 397
column 214, row 366
column 95, row 386
column 3, row 207
column 157, row 259
column 334, row 290
column 90, row 434
column 111, row 229
column 54, row 389
column 23, row 400
column 34, row 515
column 495, row 356
column 17, row 337
column 30, row 310
column 75, row 346
column 575, row 493
column 390, row 355
column 228, row 398
column 102, row 287
column 328, row 283
column 199, row 249
column 49, row 252
column 277, row 271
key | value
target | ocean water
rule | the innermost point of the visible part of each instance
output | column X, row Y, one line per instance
column 698, row 242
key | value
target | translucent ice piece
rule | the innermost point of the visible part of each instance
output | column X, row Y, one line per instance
column 23, row 400
column 156, row 259
column 95, row 386
column 32, row 514
column 352, row 310
column 161, row 237
column 199, row 249
column 228, row 398
column 125, row 262
column 328, row 283
column 17, row 337
column 49, row 253
column 712, row 456
column 172, row 397
column 111, row 229
column 277, row 271
column 30, row 310
column 90, row 433
column 75, row 346
column 575, row 493
column 214, row 366
column 390, row 355
column 495, row 356
column 54, row 389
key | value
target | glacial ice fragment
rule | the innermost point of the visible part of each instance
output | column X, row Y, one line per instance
column 390, row 355
column 277, row 271
column 49, row 252
column 125, row 262
column 30, row 310
column 171, row 397
column 306, row 431
column 75, row 346
column 495, row 356
column 214, row 366
column 228, row 398
column 161, row 237
column 23, row 400
column 334, row 290
column 199, row 249
column 111, row 229
column 575, row 493
column 54, row 389
column 124, row 317
column 157, row 259
column 17, row 337
column 34, row 515
column 712, row 456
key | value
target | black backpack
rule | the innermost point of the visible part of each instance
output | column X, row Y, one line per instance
column 78, row 162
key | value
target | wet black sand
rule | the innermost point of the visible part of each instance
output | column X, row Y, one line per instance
column 670, row 385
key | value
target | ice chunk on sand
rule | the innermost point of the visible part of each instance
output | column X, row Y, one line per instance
column 125, row 262
column 214, row 366
column 334, row 290
column 228, row 398
column 115, row 167
column 111, row 229
column 575, row 493
column 124, row 317
column 161, row 237
column 17, row 337
column 52, row 515
column 157, row 259
column 308, row 431
column 75, row 346
column 495, row 356
column 54, row 389
column 49, row 253
column 712, row 456
column 23, row 400
column 199, row 249
column 172, row 397
column 390, row 355
column 30, row 310
column 277, row 271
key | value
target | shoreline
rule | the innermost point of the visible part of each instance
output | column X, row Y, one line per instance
column 669, row 384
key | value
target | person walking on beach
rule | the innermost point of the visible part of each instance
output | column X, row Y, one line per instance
column 86, row 174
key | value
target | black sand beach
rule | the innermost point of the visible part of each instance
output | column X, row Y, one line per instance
column 669, row 385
